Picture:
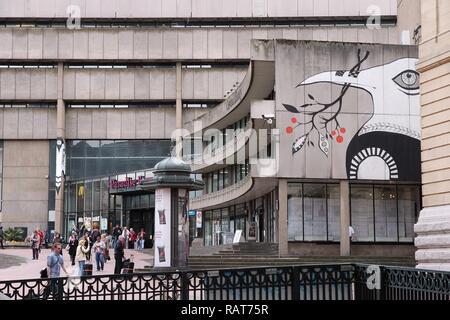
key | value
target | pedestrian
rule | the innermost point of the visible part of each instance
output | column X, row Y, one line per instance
column 35, row 243
column 119, row 254
column 80, row 256
column 41, row 239
column 2, row 234
column 99, row 249
column 107, row 241
column 87, row 245
column 55, row 262
column 132, row 239
column 141, row 241
column 57, row 239
column 126, row 235
column 117, row 231
column 73, row 244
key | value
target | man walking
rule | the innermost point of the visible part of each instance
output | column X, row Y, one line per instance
column 55, row 262
column 119, row 254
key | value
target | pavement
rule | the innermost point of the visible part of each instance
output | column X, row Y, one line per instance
column 17, row 263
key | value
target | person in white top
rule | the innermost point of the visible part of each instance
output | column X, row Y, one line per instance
column 126, row 235
column 80, row 256
column 351, row 232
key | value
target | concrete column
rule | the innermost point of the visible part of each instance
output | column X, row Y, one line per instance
column 61, row 135
column 282, row 217
column 345, row 218
column 179, row 110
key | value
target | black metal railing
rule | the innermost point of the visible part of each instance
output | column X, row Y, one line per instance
column 324, row 282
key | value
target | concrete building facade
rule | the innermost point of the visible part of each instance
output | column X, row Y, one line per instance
column 89, row 106
column 432, row 229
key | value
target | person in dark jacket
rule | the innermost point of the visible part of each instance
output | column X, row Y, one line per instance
column 119, row 254
column 73, row 244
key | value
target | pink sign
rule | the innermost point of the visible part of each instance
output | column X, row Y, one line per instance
column 128, row 183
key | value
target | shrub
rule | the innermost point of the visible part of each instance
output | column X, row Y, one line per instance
column 13, row 234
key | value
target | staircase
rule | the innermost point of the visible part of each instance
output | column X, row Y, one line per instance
column 247, row 254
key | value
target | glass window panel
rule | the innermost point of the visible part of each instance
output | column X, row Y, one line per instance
column 221, row 178
column 104, row 191
column 362, row 213
column 96, row 195
column 80, row 197
column 385, row 214
column 226, row 175
column 225, row 225
column 295, row 212
column 88, row 196
column 408, row 211
column 334, row 218
column 215, row 181
column 208, row 228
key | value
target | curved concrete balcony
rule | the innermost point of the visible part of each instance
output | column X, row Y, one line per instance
column 220, row 157
column 247, row 189
column 225, row 195
column 257, row 84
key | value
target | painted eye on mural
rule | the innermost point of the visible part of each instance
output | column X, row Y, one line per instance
column 408, row 80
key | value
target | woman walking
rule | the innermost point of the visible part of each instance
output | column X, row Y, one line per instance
column 99, row 249
column 81, row 256
column 35, row 243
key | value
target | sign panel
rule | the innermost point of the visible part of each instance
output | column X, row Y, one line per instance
column 162, row 228
column 104, row 224
column 237, row 236
column 252, row 231
column 198, row 219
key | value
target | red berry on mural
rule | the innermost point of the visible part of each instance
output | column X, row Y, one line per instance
column 340, row 139
column 294, row 120
column 333, row 133
column 342, row 130
column 289, row 130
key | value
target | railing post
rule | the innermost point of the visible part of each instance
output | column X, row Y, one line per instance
column 382, row 291
column 295, row 294
column 184, row 286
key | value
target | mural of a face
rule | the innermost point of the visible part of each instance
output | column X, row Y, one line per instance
column 381, row 147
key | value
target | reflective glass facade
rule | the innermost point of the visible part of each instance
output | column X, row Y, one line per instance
column 93, row 158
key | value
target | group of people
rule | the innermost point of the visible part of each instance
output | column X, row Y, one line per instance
column 38, row 240
column 133, row 240
column 82, row 243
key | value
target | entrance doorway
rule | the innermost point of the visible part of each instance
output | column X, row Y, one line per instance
column 142, row 219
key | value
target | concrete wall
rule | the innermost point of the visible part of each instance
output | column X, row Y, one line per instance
column 133, row 123
column 118, row 84
column 166, row 43
column 25, row 186
column 358, row 250
column 193, row 8
column 27, row 123
column 149, row 83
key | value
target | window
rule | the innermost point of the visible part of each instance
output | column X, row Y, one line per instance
column 313, row 212
column 384, row 213
column 408, row 211
column 295, row 212
column 385, row 199
column 362, row 216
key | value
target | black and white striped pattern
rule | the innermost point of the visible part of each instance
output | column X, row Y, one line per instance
column 373, row 152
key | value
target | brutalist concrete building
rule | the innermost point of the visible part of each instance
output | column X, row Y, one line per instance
column 91, row 93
